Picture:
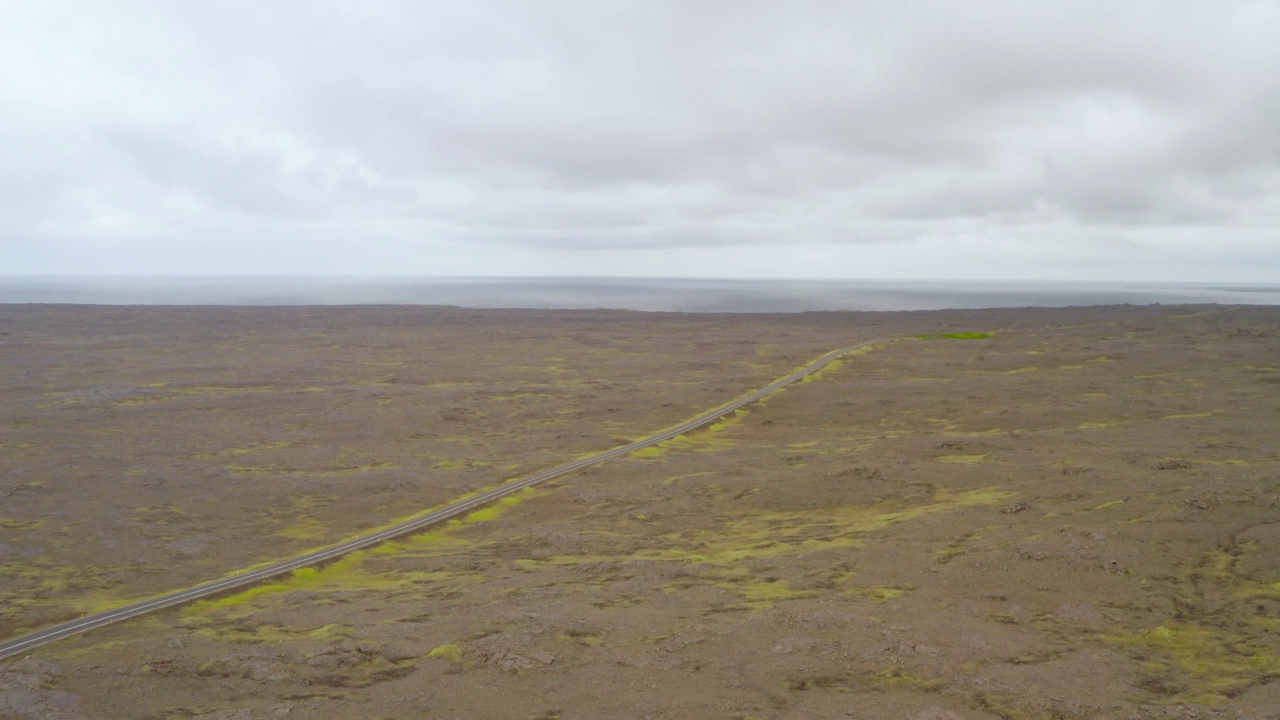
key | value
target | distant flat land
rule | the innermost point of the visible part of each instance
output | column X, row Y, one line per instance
column 1025, row 513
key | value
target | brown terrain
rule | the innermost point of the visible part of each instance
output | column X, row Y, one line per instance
column 1053, row 513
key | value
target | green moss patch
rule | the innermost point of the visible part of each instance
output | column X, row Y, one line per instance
column 961, row 459
column 759, row 534
column 1221, row 643
column 449, row 651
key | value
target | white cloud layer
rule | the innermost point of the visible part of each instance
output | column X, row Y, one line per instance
column 1056, row 139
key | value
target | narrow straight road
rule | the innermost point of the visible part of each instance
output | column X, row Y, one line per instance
column 25, row 643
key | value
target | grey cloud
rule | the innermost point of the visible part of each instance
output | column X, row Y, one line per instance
column 640, row 125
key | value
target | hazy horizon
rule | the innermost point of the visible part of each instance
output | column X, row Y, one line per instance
column 645, row 294
column 620, row 276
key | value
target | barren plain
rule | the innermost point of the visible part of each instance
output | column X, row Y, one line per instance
column 1027, row 513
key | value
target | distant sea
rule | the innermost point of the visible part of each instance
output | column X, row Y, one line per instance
column 683, row 295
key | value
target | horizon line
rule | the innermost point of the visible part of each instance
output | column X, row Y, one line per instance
column 666, row 278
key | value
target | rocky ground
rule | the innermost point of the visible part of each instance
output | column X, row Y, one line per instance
column 994, row 514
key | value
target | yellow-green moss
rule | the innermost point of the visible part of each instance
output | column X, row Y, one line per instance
column 763, row 534
column 708, row 439
column 902, row 679
column 13, row 524
column 449, row 651
column 77, row 588
column 1212, row 664
column 144, row 400
column 957, row 336
column 249, row 449
column 1208, row 663
column 878, row 592
column 258, row 470
column 763, row 593
column 961, row 459
column 328, row 632
column 1099, row 424
column 716, row 427
column 349, row 571
column 832, row 366
column 240, row 632
column 303, row 529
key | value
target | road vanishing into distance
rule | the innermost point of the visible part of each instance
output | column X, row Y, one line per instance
column 25, row 643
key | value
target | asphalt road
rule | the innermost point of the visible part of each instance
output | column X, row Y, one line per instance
column 25, row 643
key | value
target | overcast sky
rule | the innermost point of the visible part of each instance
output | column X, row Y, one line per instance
column 740, row 138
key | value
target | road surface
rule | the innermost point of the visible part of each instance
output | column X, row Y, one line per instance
column 25, row 643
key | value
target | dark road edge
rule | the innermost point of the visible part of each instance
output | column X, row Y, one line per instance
column 24, row 643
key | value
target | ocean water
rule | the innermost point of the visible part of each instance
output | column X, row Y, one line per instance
column 680, row 295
